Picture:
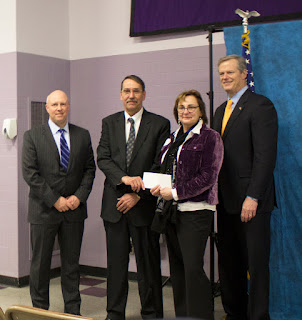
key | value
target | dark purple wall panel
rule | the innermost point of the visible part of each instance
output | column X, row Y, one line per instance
column 156, row 16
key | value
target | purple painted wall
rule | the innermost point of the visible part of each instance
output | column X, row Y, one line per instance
column 95, row 87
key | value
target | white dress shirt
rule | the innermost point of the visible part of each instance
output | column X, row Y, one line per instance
column 57, row 135
column 137, row 121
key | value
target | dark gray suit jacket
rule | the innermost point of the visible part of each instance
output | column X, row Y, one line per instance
column 250, row 145
column 111, row 159
column 48, row 180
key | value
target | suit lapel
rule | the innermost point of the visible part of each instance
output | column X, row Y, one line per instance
column 236, row 113
column 142, row 134
column 119, row 132
column 220, row 114
column 51, row 142
column 73, row 144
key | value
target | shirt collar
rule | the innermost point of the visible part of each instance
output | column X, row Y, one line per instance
column 237, row 96
column 195, row 130
column 136, row 116
column 55, row 128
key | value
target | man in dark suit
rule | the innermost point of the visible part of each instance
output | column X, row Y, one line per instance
column 59, row 168
column 130, row 144
column 246, row 193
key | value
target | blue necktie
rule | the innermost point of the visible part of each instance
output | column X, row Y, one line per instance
column 64, row 150
column 130, row 142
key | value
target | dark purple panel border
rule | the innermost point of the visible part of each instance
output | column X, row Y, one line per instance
column 164, row 16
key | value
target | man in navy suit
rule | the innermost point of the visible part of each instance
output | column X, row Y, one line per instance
column 246, row 193
column 128, row 209
column 59, row 188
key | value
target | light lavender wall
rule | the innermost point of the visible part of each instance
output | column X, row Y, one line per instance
column 95, row 87
column 37, row 77
column 8, row 169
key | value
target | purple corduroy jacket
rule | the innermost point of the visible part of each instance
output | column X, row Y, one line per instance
column 198, row 166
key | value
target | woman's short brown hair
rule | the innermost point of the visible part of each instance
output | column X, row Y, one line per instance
column 198, row 97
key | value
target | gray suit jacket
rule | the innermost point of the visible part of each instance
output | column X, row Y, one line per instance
column 111, row 159
column 48, row 180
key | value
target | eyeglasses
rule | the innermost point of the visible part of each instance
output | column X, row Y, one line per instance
column 136, row 92
column 191, row 109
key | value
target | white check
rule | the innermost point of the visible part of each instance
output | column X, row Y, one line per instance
column 152, row 179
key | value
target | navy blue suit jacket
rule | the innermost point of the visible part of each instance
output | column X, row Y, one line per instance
column 250, row 145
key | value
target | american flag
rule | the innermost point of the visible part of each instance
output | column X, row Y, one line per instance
column 246, row 53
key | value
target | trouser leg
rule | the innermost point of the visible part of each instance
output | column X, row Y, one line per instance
column 118, row 248
column 193, row 230
column 42, row 241
column 177, row 272
column 70, row 236
column 147, row 254
column 233, row 265
column 258, row 243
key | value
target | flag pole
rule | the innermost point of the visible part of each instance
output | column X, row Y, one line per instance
column 246, row 50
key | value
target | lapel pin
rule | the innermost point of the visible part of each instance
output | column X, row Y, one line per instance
column 240, row 108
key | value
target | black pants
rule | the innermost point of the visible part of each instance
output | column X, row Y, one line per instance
column 244, row 247
column 186, row 241
column 147, row 254
column 42, row 239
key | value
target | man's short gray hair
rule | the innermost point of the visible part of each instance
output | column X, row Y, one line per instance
column 241, row 61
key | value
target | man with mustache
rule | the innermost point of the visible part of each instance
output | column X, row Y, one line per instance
column 130, row 144
column 248, row 126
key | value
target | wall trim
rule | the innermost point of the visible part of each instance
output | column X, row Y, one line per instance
column 24, row 281
column 54, row 273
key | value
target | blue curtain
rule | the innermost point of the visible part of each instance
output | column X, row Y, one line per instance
column 276, row 52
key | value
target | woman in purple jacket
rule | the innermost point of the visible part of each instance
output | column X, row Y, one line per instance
column 192, row 156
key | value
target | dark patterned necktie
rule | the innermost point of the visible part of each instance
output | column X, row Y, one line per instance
column 130, row 142
column 64, row 150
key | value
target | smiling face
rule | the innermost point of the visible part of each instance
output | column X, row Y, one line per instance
column 57, row 106
column 132, row 95
column 231, row 78
column 186, row 117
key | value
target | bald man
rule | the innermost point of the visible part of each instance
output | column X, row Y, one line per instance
column 58, row 165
